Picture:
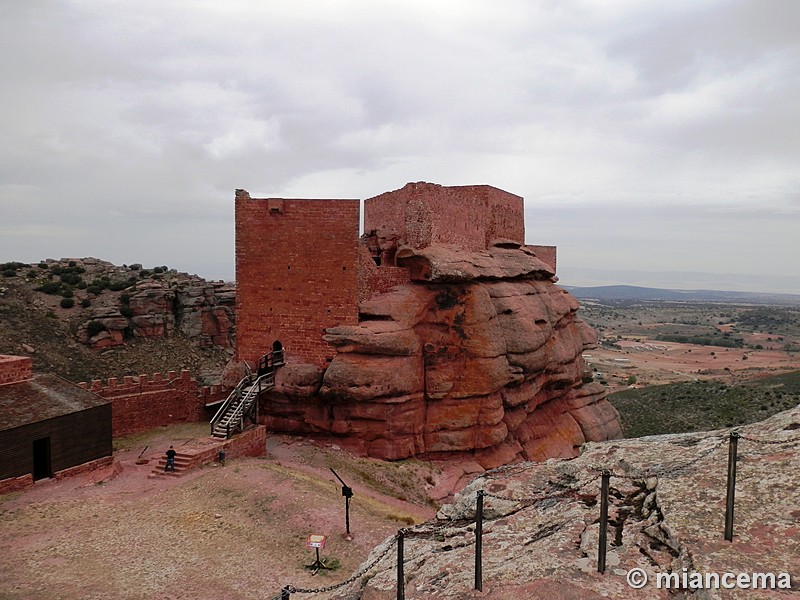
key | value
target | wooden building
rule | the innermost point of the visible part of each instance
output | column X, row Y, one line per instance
column 48, row 424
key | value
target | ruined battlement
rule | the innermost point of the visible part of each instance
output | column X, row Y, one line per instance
column 437, row 331
column 422, row 214
column 150, row 383
column 145, row 401
column 14, row 369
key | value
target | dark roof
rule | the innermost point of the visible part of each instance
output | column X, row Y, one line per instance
column 43, row 397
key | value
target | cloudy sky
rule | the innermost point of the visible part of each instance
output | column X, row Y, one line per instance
column 654, row 142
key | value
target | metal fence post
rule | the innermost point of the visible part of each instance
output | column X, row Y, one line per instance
column 601, row 547
column 479, row 542
column 400, row 577
column 732, row 451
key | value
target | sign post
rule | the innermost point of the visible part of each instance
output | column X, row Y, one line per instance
column 347, row 492
column 317, row 542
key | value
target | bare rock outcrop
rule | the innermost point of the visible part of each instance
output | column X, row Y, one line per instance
column 479, row 357
column 666, row 518
column 200, row 310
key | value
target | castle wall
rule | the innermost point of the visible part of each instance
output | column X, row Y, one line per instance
column 296, row 274
column 421, row 214
column 373, row 279
column 144, row 402
column 15, row 368
column 546, row 254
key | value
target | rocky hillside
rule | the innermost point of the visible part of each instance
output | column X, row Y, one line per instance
column 88, row 318
column 666, row 515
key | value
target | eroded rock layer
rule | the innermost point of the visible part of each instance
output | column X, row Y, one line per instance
column 480, row 354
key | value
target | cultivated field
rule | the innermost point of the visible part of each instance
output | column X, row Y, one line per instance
column 650, row 343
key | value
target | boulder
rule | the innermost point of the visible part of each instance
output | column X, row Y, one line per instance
column 482, row 359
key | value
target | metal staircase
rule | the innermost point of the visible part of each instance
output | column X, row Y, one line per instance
column 241, row 405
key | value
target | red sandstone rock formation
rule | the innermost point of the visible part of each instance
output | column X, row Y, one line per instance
column 479, row 354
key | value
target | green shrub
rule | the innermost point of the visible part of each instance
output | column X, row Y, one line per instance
column 43, row 265
column 94, row 289
column 86, row 303
column 67, row 292
column 94, row 327
column 12, row 266
column 116, row 286
column 71, row 278
column 125, row 298
column 9, row 273
column 33, row 274
column 67, row 302
column 50, row 287
column 126, row 312
column 82, row 285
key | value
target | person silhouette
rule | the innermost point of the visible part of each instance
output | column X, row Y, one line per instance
column 170, row 466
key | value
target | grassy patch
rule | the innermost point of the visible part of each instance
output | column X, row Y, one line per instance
column 704, row 405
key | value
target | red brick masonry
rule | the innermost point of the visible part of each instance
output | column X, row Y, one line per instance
column 15, row 368
column 296, row 274
column 144, row 402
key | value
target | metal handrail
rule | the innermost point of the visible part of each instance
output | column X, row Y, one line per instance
column 246, row 402
column 265, row 374
column 221, row 412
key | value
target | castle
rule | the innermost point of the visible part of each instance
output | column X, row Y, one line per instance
column 438, row 331
column 301, row 267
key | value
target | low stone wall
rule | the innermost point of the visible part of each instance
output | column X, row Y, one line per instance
column 203, row 451
column 15, row 368
column 144, row 402
column 84, row 468
column 252, row 442
column 16, row 484
column 23, row 482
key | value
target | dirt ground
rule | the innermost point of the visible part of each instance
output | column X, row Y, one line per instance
column 656, row 362
column 236, row 531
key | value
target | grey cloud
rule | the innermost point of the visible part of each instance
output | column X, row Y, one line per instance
column 127, row 127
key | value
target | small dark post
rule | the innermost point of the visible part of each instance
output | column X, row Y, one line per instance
column 285, row 594
column 732, row 448
column 347, row 508
column 479, row 542
column 401, row 592
column 601, row 550
column 347, row 492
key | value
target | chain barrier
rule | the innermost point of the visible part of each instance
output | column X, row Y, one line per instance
column 568, row 493
column 662, row 471
column 425, row 530
column 769, row 442
column 360, row 573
